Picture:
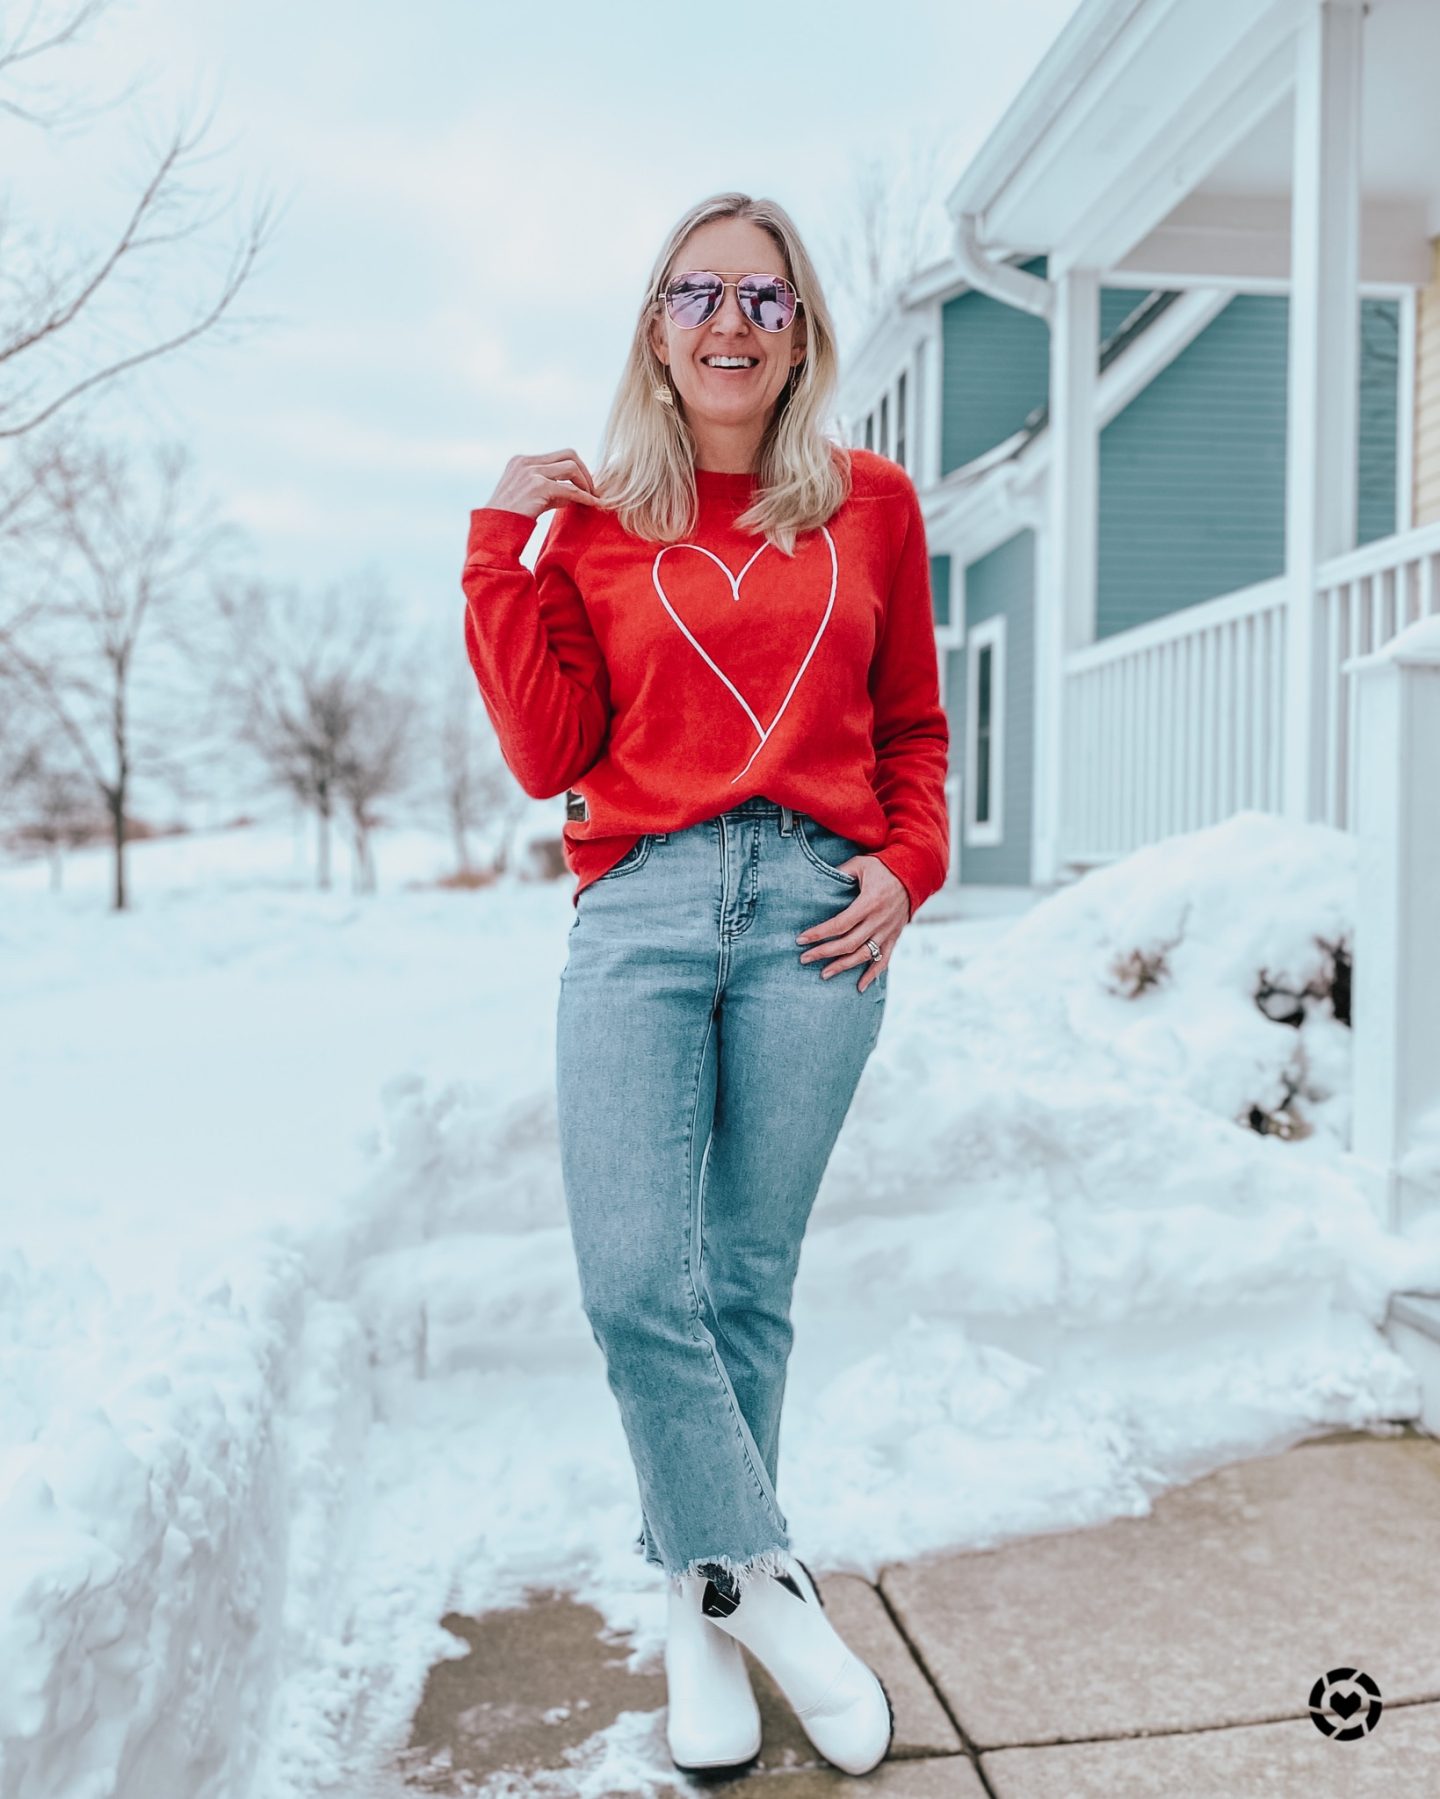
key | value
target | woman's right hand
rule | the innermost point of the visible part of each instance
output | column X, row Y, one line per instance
column 533, row 484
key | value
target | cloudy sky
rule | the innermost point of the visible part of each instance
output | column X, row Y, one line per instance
column 469, row 198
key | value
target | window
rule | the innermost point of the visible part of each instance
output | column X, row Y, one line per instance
column 985, row 731
column 884, row 424
column 869, row 430
column 940, row 590
column 924, row 449
column 900, row 421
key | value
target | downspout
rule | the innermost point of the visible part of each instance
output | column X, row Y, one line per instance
column 1031, row 293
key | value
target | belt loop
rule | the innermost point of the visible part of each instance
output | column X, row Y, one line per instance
column 660, row 836
column 787, row 818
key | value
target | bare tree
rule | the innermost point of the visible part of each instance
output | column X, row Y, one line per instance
column 54, row 324
column 103, row 631
column 474, row 784
column 19, row 738
column 20, row 53
column 61, row 809
column 376, row 764
column 318, row 692
column 893, row 224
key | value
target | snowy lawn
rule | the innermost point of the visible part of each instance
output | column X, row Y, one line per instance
column 292, row 1359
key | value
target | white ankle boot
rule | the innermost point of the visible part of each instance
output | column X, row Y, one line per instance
column 842, row 1706
column 712, row 1720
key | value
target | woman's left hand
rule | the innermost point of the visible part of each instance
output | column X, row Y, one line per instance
column 881, row 909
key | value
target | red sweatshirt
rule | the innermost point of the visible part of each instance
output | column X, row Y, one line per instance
column 666, row 683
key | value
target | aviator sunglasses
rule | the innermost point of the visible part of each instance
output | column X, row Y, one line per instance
column 768, row 301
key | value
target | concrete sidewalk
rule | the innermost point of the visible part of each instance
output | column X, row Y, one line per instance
column 1173, row 1654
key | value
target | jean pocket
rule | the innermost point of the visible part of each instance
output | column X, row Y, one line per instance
column 631, row 860
column 824, row 847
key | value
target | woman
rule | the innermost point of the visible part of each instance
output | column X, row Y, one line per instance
column 726, row 658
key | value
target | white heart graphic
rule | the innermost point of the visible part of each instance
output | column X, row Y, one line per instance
column 735, row 580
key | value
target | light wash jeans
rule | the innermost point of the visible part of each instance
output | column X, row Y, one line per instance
column 703, row 1074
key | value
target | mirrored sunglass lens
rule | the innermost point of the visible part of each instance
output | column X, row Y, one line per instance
column 770, row 303
column 692, row 298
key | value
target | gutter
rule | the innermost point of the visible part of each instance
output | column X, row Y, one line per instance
column 1067, row 65
column 1071, row 60
column 1031, row 293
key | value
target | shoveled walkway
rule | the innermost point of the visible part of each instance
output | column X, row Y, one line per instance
column 1172, row 1654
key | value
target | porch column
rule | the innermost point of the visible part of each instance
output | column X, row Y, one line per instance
column 1324, row 364
column 1396, row 999
column 929, row 360
column 1065, row 577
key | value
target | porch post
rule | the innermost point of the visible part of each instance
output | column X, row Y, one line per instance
column 1324, row 359
column 1065, row 577
column 1396, row 990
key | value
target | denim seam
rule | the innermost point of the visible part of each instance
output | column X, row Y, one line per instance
column 632, row 859
column 752, row 897
column 694, row 1202
column 812, row 855
column 702, row 1333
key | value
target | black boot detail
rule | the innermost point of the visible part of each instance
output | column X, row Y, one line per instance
column 721, row 1595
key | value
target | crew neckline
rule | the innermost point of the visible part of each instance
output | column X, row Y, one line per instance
column 718, row 481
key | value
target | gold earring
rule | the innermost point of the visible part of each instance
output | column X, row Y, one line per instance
column 663, row 394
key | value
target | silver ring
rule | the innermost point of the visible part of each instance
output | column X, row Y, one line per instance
column 874, row 949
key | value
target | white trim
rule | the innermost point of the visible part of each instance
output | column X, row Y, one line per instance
column 1213, row 73
column 1380, row 553
column 1184, row 622
column 1139, row 106
column 989, row 633
column 953, row 793
column 1244, row 240
column 1082, row 48
column 934, row 392
column 951, row 636
column 1065, row 606
column 1323, row 366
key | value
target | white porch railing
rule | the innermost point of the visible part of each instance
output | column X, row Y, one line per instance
column 1364, row 599
column 1174, row 724
column 1180, row 722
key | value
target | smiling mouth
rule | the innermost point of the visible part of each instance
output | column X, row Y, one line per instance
column 749, row 369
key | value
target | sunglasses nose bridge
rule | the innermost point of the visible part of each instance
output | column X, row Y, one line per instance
column 729, row 296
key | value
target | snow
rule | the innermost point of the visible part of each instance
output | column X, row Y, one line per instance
column 292, row 1359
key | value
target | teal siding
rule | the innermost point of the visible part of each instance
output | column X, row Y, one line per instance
column 1116, row 305
column 1192, row 472
column 995, row 365
column 1002, row 581
column 940, row 588
column 1379, row 418
column 995, row 369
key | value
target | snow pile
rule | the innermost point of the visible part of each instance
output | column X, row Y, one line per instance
column 143, row 1522
column 254, row 1451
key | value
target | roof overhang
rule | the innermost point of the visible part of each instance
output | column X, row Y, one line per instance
column 1152, row 142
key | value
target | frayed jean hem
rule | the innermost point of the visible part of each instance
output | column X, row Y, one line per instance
column 735, row 1571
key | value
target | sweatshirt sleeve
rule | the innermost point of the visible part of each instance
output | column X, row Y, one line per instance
column 541, row 673
column 911, row 731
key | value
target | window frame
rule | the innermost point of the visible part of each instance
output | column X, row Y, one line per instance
column 987, row 634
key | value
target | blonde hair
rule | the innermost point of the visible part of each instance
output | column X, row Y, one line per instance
column 647, row 455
